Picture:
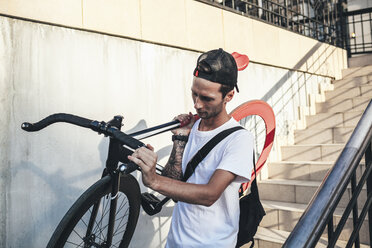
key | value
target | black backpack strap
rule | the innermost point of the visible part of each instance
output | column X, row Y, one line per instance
column 254, row 189
column 203, row 152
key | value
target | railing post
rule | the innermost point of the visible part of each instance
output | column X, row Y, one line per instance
column 368, row 161
column 286, row 13
column 330, row 229
column 355, row 209
column 345, row 36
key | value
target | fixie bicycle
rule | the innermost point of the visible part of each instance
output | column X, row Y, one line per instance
column 106, row 214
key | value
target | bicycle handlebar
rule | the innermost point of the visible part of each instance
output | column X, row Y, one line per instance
column 72, row 119
column 100, row 127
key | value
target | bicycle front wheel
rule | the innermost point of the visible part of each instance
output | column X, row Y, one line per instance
column 72, row 230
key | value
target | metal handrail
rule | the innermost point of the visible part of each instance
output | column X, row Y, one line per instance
column 320, row 211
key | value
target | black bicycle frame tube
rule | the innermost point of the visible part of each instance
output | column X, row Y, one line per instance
column 111, row 165
column 111, row 169
column 93, row 215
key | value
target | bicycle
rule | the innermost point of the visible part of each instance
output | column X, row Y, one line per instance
column 106, row 214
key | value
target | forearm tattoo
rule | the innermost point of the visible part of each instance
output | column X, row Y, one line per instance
column 173, row 168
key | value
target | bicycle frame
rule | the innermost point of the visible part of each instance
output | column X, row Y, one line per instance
column 116, row 153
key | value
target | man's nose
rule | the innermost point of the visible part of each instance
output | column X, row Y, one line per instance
column 197, row 103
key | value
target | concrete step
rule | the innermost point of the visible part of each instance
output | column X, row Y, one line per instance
column 334, row 135
column 357, row 71
column 351, row 92
column 284, row 216
column 343, row 105
column 303, row 170
column 271, row 238
column 353, row 82
column 297, row 191
column 311, row 152
column 330, row 120
column 298, row 170
column 360, row 60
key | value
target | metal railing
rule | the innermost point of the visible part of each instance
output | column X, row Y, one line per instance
column 358, row 37
column 319, row 213
column 325, row 20
column 318, row 19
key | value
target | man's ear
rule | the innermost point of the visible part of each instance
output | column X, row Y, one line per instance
column 229, row 96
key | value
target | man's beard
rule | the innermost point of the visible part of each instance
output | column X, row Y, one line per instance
column 210, row 114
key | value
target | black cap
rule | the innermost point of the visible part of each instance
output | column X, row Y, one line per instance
column 217, row 66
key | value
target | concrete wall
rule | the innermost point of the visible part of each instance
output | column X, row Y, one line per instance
column 49, row 70
column 187, row 24
column 46, row 69
column 146, row 77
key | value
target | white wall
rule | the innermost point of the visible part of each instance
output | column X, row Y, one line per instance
column 187, row 24
column 47, row 69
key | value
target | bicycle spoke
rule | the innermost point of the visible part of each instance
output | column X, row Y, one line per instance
column 122, row 231
column 75, row 225
column 114, row 245
column 84, row 222
column 104, row 213
column 101, row 225
column 119, row 209
column 77, row 234
column 120, row 226
column 115, row 221
column 98, row 226
column 121, row 205
column 77, row 245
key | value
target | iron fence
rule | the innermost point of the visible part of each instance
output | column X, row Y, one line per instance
column 318, row 19
column 324, row 20
column 358, row 35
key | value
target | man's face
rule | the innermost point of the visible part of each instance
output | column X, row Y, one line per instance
column 207, row 98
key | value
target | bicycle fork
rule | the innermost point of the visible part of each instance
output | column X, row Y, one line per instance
column 111, row 169
column 90, row 240
column 113, row 205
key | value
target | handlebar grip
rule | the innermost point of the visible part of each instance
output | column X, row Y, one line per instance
column 61, row 117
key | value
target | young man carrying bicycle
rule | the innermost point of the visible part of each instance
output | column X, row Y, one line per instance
column 207, row 212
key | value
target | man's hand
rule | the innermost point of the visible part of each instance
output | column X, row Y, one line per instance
column 146, row 158
column 185, row 130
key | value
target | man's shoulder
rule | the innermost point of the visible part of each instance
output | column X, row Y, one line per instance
column 242, row 132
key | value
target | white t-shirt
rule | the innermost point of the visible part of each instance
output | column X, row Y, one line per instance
column 215, row 226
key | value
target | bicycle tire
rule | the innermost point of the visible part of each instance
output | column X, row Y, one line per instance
column 80, row 209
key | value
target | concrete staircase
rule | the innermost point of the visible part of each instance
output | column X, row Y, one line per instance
column 293, row 181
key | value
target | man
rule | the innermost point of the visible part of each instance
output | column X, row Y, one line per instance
column 207, row 212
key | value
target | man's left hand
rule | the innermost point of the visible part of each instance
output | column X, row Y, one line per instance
column 146, row 158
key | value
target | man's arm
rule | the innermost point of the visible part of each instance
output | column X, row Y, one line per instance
column 173, row 168
column 201, row 194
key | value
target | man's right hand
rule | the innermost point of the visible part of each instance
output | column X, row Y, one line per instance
column 185, row 130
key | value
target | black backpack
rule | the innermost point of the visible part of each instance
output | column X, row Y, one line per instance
column 251, row 214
